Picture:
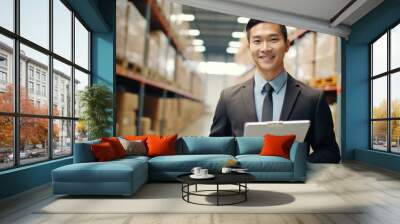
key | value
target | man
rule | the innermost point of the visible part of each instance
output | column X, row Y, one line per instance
column 273, row 94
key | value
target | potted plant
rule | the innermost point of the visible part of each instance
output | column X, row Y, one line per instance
column 96, row 103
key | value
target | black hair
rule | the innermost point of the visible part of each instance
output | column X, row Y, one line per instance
column 253, row 22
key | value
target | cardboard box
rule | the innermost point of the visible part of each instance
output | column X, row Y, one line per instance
column 126, row 118
column 126, row 130
column 135, row 35
column 121, row 26
column 145, row 125
column 127, row 101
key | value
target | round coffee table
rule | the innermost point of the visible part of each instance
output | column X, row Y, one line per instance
column 238, row 179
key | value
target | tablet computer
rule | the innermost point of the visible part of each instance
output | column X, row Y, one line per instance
column 257, row 129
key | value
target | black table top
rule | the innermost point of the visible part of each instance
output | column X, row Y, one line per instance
column 220, row 178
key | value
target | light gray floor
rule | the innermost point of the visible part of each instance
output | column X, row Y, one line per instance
column 377, row 188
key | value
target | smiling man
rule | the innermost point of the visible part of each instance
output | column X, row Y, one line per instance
column 274, row 95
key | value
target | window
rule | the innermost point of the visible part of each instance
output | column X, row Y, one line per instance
column 385, row 96
column 30, row 72
column 3, row 78
column 30, row 87
column 52, row 134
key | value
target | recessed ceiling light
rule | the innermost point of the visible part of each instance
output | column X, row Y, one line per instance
column 236, row 44
column 182, row 17
column 232, row 50
column 243, row 20
column 199, row 48
column 197, row 42
column 191, row 32
column 238, row 34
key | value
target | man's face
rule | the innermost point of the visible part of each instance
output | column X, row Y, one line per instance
column 267, row 46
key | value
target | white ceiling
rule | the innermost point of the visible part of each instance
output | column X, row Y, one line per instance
column 316, row 15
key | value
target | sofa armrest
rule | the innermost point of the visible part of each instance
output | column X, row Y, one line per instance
column 298, row 157
column 83, row 152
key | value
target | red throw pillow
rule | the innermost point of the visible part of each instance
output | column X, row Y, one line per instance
column 116, row 145
column 135, row 137
column 277, row 145
column 103, row 151
column 161, row 145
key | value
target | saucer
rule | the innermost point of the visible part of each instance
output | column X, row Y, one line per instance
column 208, row 176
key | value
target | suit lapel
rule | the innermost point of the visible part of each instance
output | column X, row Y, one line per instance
column 247, row 93
column 292, row 92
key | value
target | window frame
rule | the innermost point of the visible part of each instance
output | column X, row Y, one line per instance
column 388, row 74
column 16, row 114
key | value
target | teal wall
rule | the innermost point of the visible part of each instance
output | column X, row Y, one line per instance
column 99, row 15
column 355, row 85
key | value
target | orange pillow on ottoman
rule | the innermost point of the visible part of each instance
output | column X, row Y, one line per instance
column 103, row 151
column 116, row 145
column 161, row 145
column 277, row 145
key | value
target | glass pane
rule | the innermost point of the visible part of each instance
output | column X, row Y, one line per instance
column 7, row 14
column 81, row 81
column 62, row 138
column 6, row 142
column 6, row 74
column 34, row 92
column 379, row 135
column 379, row 97
column 81, row 45
column 379, row 55
column 62, row 29
column 395, row 47
column 33, row 139
column 62, row 89
column 395, row 138
column 81, row 131
column 395, row 94
column 35, row 21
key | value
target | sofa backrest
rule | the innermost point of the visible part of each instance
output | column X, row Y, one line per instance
column 83, row 152
column 249, row 145
column 206, row 145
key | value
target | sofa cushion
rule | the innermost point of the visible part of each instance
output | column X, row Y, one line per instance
column 112, row 171
column 277, row 145
column 257, row 163
column 134, row 147
column 185, row 163
column 206, row 145
column 116, row 145
column 103, row 152
column 249, row 145
column 161, row 145
column 83, row 152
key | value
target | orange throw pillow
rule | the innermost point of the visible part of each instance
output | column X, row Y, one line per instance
column 161, row 145
column 135, row 137
column 116, row 145
column 277, row 145
column 103, row 152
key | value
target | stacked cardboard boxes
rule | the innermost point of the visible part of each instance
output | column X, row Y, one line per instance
column 136, row 35
column 122, row 17
column 127, row 104
column 158, row 50
column 171, row 114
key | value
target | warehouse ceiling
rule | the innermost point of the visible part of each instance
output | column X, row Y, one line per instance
column 216, row 32
column 326, row 16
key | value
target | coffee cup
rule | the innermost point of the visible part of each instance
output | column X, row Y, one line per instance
column 196, row 171
column 203, row 172
column 226, row 170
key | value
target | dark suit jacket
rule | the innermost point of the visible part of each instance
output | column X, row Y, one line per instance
column 236, row 106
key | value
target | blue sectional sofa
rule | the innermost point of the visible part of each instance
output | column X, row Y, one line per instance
column 125, row 176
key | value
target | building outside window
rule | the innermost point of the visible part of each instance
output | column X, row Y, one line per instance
column 385, row 96
column 55, row 140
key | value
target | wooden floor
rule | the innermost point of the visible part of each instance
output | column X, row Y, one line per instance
column 377, row 188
